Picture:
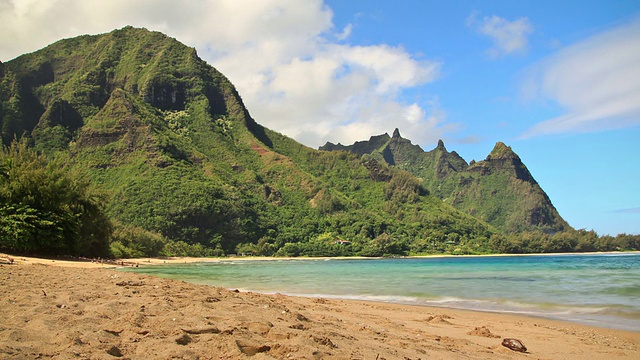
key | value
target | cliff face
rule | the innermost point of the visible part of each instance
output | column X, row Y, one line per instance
column 147, row 120
column 499, row 190
column 75, row 78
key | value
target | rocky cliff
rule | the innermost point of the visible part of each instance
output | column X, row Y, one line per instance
column 499, row 190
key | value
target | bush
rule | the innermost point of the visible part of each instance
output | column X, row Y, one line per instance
column 132, row 241
column 48, row 208
column 181, row 248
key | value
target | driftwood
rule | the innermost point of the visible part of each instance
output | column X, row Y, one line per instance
column 514, row 344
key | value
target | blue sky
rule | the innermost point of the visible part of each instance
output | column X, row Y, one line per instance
column 557, row 81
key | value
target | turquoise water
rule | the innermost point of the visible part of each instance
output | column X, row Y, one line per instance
column 601, row 290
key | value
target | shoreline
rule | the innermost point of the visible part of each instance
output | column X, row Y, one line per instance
column 91, row 312
column 178, row 260
column 602, row 317
column 122, row 264
column 132, row 262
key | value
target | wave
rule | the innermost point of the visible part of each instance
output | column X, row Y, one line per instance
column 543, row 287
column 496, row 278
column 612, row 316
column 631, row 290
column 395, row 299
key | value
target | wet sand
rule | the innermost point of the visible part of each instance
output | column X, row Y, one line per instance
column 82, row 310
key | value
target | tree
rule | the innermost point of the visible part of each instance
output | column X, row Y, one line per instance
column 47, row 207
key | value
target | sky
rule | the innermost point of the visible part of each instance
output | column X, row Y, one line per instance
column 558, row 81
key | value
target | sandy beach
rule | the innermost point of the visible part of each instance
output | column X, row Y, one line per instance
column 85, row 310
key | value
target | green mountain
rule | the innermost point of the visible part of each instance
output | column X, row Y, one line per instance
column 499, row 190
column 185, row 170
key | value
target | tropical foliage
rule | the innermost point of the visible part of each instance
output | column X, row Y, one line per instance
column 47, row 207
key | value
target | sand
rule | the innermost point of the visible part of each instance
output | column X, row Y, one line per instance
column 83, row 310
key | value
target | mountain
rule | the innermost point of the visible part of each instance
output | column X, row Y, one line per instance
column 186, row 170
column 499, row 190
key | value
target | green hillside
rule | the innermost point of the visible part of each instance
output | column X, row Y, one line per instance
column 499, row 190
column 182, row 168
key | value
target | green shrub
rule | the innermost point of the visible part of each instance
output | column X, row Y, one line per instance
column 48, row 208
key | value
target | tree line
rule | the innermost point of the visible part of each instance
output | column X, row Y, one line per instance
column 50, row 208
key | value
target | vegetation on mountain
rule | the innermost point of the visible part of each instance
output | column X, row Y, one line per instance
column 134, row 146
column 498, row 190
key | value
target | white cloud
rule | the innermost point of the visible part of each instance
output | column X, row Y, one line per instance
column 597, row 82
column 346, row 32
column 287, row 60
column 508, row 37
column 339, row 89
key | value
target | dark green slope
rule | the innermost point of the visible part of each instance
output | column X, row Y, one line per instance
column 498, row 190
column 168, row 139
column 502, row 191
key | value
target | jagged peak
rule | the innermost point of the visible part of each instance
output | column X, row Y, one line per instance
column 441, row 145
column 329, row 146
column 380, row 137
column 501, row 151
column 396, row 133
column 504, row 158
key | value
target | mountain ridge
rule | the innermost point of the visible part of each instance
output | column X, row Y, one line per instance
column 499, row 189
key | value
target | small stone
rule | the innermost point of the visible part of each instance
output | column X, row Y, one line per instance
column 114, row 351
column 184, row 340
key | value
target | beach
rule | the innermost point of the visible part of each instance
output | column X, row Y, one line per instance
column 90, row 311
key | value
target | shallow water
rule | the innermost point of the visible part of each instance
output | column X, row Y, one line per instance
column 601, row 290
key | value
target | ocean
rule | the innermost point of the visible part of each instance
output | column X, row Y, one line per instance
column 600, row 290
